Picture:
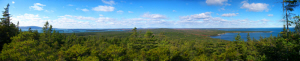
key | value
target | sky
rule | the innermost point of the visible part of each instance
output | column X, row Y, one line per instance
column 86, row 14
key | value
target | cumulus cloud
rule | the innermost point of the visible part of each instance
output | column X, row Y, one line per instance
column 67, row 21
column 85, row 10
column 154, row 16
column 200, row 16
column 202, row 20
column 104, row 8
column 229, row 14
column 37, row 6
column 45, row 17
column 110, row 2
column 13, row 2
column 270, row 15
column 104, row 19
column 255, row 7
column 130, row 12
column 205, row 20
column 28, row 20
column 217, row 2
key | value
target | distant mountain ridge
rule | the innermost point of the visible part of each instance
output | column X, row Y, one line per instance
column 32, row 27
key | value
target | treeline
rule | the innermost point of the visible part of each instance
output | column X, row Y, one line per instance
column 51, row 46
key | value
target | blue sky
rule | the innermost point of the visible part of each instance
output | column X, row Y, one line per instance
column 148, row 13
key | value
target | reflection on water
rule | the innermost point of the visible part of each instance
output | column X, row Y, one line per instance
column 231, row 36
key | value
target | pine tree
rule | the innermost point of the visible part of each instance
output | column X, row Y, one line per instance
column 134, row 34
column 149, row 34
column 6, row 17
column 238, row 37
column 248, row 37
column 7, row 29
column 29, row 30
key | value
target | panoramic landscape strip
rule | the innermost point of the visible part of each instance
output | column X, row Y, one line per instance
column 49, row 42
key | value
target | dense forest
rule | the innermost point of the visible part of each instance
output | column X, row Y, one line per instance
column 142, row 45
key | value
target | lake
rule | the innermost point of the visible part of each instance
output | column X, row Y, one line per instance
column 231, row 36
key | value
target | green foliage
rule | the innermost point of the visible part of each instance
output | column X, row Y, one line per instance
column 238, row 37
column 7, row 29
column 248, row 37
column 149, row 34
column 156, row 45
column 163, row 45
column 27, row 50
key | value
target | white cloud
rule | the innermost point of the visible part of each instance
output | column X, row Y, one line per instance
column 174, row 11
column 202, row 20
column 70, row 5
column 104, row 19
column 13, row 2
column 110, row 2
column 270, row 15
column 85, row 10
column 255, row 7
column 67, row 21
column 264, row 20
column 229, row 14
column 200, row 16
column 37, row 6
column 45, row 17
column 216, row 2
column 28, row 20
column 120, row 11
column 154, row 16
column 205, row 20
column 104, row 8
column 130, row 12
column 101, row 15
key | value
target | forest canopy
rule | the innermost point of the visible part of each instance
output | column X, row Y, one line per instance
column 143, row 45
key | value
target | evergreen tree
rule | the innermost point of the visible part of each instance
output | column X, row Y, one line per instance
column 238, row 37
column 248, row 37
column 7, row 29
column 134, row 33
column 29, row 30
column 149, row 34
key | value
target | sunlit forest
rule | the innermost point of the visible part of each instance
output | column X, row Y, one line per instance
column 161, row 44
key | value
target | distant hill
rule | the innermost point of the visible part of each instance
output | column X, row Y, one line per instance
column 32, row 27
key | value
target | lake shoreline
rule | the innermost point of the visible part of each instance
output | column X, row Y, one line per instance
column 243, row 32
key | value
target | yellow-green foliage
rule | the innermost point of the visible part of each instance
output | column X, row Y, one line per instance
column 159, row 45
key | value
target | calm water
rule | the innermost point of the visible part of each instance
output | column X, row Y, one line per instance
column 231, row 36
